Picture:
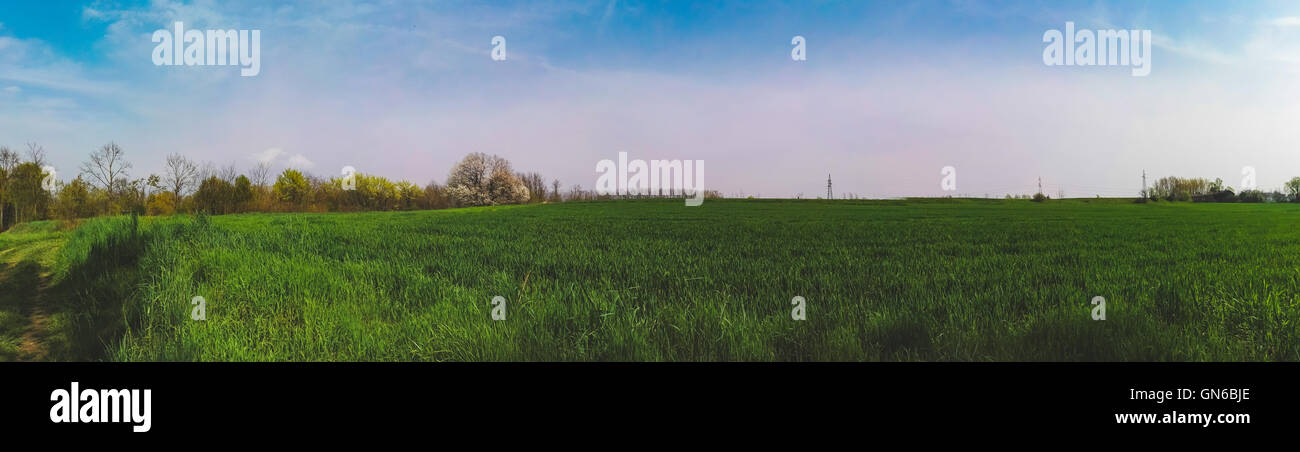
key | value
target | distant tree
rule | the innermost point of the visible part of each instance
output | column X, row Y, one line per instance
column 1217, row 186
column 243, row 193
column 555, row 190
column 162, row 203
column 8, row 159
column 107, row 169
column 292, row 187
column 1293, row 188
column 259, row 174
column 214, row 196
column 31, row 200
column 74, row 201
column 1252, row 196
column 536, row 186
column 507, row 188
column 179, row 173
column 228, row 173
column 483, row 180
column 36, row 154
column 435, row 196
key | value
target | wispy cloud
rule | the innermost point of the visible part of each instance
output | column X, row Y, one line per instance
column 299, row 161
column 268, row 156
column 1287, row 21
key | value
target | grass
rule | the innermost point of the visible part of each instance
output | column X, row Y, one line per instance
column 968, row 280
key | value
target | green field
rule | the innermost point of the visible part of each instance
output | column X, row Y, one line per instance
column 966, row 280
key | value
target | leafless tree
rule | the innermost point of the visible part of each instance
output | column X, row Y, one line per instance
column 106, row 167
column 228, row 173
column 36, row 154
column 179, row 174
column 555, row 190
column 8, row 159
column 536, row 186
column 260, row 174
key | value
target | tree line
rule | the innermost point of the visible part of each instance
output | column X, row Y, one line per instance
column 105, row 185
column 1204, row 190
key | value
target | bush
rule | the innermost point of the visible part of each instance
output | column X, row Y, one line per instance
column 1252, row 196
column 161, row 203
column 1039, row 197
column 74, row 201
column 214, row 196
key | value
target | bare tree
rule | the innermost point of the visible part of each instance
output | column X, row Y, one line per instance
column 106, row 167
column 8, row 159
column 207, row 170
column 555, row 190
column 260, row 174
column 36, row 154
column 179, row 174
column 536, row 186
column 228, row 173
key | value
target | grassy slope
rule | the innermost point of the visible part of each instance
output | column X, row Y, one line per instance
column 26, row 254
column 884, row 280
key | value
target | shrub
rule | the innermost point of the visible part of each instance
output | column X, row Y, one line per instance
column 1252, row 196
column 161, row 203
column 214, row 196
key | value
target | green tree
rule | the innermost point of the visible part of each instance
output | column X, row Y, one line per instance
column 1293, row 188
column 214, row 196
column 74, row 200
column 291, row 187
column 243, row 193
column 31, row 200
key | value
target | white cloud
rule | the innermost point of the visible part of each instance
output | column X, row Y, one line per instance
column 268, row 156
column 13, row 90
column 300, row 161
column 1287, row 21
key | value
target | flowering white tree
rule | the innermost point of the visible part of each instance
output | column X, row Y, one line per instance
column 484, row 180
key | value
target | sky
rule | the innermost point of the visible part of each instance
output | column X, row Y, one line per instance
column 891, row 92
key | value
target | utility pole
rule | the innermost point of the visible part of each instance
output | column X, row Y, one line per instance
column 829, row 193
column 1144, row 183
column 1040, row 185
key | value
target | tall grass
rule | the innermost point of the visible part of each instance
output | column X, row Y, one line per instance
column 653, row 280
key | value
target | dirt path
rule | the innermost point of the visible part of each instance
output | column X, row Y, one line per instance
column 25, row 285
column 32, row 347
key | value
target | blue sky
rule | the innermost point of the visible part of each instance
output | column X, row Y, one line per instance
column 891, row 91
